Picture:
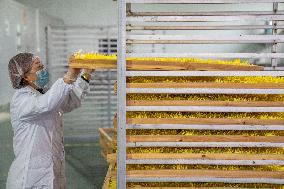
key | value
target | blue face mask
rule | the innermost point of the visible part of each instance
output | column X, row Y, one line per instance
column 42, row 78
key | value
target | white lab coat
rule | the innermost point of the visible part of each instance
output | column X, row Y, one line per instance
column 38, row 134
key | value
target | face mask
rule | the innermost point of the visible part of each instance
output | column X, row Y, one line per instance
column 42, row 78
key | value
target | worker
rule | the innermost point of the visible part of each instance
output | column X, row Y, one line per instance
column 36, row 117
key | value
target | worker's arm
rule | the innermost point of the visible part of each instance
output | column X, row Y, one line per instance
column 31, row 106
column 76, row 95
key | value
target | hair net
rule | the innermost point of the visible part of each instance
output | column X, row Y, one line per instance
column 18, row 66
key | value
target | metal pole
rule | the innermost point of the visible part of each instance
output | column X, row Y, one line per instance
column 108, row 81
column 108, row 41
column 47, row 46
column 37, row 31
column 153, row 44
column 164, row 46
column 274, row 32
column 129, row 47
column 66, row 39
column 121, row 95
column 109, row 89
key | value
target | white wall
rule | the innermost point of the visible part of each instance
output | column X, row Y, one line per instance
column 105, row 12
column 18, row 33
column 74, row 12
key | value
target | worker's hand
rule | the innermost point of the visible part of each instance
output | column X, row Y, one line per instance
column 74, row 71
column 71, row 75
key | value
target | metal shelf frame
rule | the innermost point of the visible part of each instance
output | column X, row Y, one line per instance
column 132, row 21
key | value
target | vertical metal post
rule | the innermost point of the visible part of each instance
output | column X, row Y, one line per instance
column 121, row 96
column 66, row 39
column 46, row 46
column 37, row 31
column 164, row 45
column 274, row 32
column 47, row 50
column 108, row 41
column 153, row 45
column 128, row 13
column 109, row 89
